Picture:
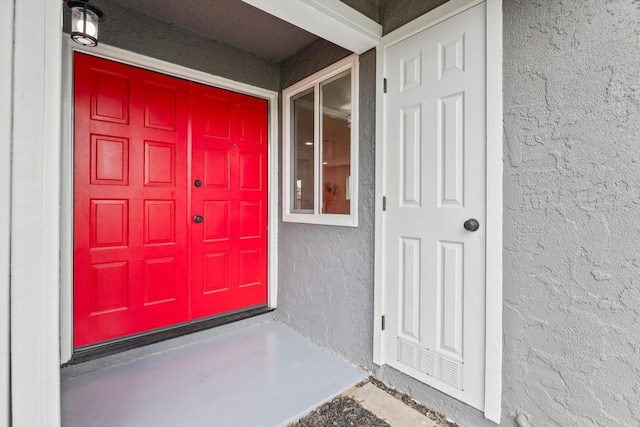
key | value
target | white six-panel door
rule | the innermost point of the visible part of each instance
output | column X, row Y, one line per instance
column 434, row 180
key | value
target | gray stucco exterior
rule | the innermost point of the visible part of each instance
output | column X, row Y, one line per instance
column 396, row 13
column 571, row 252
column 572, row 198
column 571, row 191
column 326, row 273
column 139, row 33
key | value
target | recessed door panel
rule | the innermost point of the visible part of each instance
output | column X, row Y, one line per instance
column 252, row 123
column 249, row 267
column 160, row 106
column 135, row 269
column 160, row 221
column 130, row 274
column 251, row 171
column 159, row 280
column 109, row 160
column 411, row 159
column 451, row 150
column 215, row 115
column 109, row 223
column 251, row 217
column 218, row 225
column 410, row 275
column 159, row 164
column 109, row 286
column 215, row 272
column 450, row 274
column 229, row 156
column 109, row 95
column 216, row 167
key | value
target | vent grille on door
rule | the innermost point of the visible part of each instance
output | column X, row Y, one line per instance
column 426, row 361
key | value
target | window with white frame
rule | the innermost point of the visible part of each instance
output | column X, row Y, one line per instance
column 320, row 121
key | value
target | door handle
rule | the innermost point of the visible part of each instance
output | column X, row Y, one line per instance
column 471, row 224
column 198, row 219
column 197, row 183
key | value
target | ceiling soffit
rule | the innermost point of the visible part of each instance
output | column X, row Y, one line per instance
column 229, row 21
column 248, row 28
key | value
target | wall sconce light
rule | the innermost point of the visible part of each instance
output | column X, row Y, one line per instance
column 84, row 21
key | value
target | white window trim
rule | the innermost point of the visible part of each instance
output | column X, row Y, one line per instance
column 66, row 219
column 313, row 81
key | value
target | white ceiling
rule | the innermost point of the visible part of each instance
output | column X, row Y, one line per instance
column 230, row 21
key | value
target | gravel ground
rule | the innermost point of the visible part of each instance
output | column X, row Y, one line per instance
column 343, row 411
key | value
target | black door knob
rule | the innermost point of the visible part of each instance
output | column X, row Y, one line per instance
column 198, row 219
column 471, row 224
column 197, row 183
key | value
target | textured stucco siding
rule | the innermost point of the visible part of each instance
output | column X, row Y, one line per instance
column 325, row 288
column 395, row 13
column 133, row 31
column 369, row 8
column 572, row 209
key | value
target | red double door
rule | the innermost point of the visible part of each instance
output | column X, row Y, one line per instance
column 170, row 216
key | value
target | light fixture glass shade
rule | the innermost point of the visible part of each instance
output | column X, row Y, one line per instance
column 84, row 22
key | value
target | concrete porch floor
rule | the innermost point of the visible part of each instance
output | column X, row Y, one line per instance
column 262, row 375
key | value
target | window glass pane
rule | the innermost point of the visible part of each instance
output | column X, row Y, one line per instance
column 336, row 144
column 303, row 153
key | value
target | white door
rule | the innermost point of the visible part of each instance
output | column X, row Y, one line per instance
column 434, row 181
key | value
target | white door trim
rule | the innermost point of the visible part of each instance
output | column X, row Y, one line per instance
column 66, row 217
column 493, row 356
column 6, row 101
column 35, row 62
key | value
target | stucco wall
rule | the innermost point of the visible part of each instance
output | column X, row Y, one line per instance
column 325, row 288
column 139, row 33
column 393, row 14
column 396, row 13
column 369, row 8
column 572, row 187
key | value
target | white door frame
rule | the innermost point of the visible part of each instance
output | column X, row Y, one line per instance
column 493, row 345
column 66, row 212
column 31, row 71
column 6, row 87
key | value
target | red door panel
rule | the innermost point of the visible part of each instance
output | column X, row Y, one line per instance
column 130, row 261
column 140, row 261
column 229, row 138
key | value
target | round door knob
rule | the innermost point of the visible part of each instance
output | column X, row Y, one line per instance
column 198, row 219
column 471, row 224
column 197, row 183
